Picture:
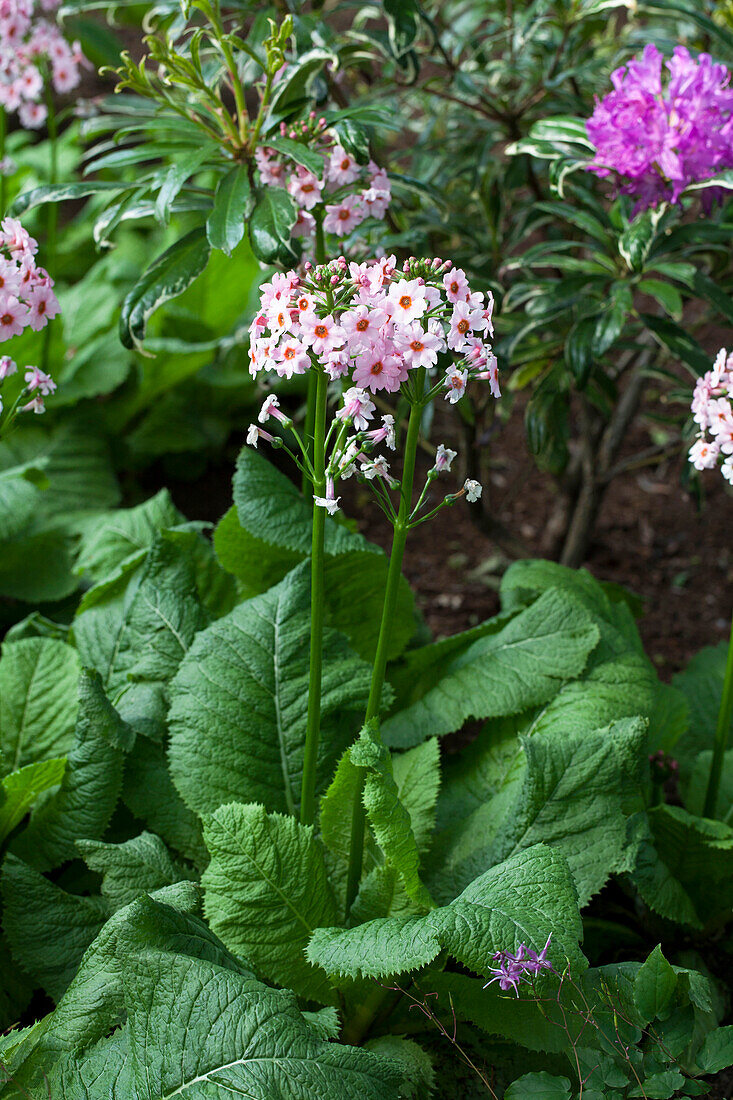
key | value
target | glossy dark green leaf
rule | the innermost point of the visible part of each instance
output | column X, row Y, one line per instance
column 354, row 139
column 301, row 154
column 635, row 242
column 403, row 17
column 678, row 341
column 60, row 192
column 667, row 295
column 580, row 349
column 714, row 294
column 233, row 205
column 272, row 220
column 166, row 278
column 610, row 323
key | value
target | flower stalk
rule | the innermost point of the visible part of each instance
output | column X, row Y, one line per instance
column 313, row 727
column 722, row 731
column 401, row 528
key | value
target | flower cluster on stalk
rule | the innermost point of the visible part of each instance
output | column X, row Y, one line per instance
column 712, row 410
column 32, row 51
column 349, row 192
column 27, row 300
column 373, row 328
column 519, row 966
column 659, row 138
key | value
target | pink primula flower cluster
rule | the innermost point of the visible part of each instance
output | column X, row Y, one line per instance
column 27, row 300
column 30, row 47
column 26, row 290
column 372, row 323
column 659, row 138
column 712, row 410
column 348, row 191
column 369, row 326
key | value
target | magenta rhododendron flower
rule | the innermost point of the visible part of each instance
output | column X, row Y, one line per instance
column 660, row 136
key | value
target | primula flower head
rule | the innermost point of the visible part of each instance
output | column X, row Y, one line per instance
column 712, row 411
column 29, row 44
column 658, row 137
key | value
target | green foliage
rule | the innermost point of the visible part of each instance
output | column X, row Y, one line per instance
column 38, row 700
column 265, row 891
column 238, row 725
column 507, row 905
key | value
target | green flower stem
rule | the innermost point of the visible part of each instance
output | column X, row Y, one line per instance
column 52, row 213
column 721, row 735
column 310, row 408
column 401, row 527
column 3, row 183
column 313, row 728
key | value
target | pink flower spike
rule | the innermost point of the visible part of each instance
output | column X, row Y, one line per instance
column 418, row 348
column 378, row 368
column 323, row 334
column 362, row 325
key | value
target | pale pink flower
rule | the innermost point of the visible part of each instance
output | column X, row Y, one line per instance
column 357, row 407
column 13, row 316
column 455, row 381
column 418, row 348
column 456, row 285
column 292, row 358
column 704, row 454
column 7, row 367
column 463, row 321
column 305, row 189
column 473, row 490
column 271, row 408
column 443, row 458
column 342, row 168
column 407, row 300
column 323, row 334
column 362, row 325
column 43, row 306
column 342, row 217
column 378, row 368
column 35, row 379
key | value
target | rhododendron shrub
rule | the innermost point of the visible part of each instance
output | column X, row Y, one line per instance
column 656, row 138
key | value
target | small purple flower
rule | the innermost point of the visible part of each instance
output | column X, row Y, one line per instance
column 659, row 140
column 524, row 964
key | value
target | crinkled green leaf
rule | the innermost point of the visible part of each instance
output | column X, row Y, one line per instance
column 522, row 665
column 522, row 900
column 19, row 790
column 572, row 797
column 265, row 890
column 137, row 866
column 38, row 700
column 120, row 535
column 48, row 929
column 239, row 703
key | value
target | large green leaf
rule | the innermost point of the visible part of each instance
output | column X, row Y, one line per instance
column 702, row 685
column 166, row 278
column 573, row 797
column 119, row 536
column 265, row 891
column 198, row 1025
column 273, row 217
column 684, row 869
column 48, row 929
column 38, row 700
column 522, row 665
column 19, row 790
column 355, row 570
column 136, row 628
column 137, row 866
column 239, row 703
column 520, row 901
column 88, row 794
column 233, row 204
